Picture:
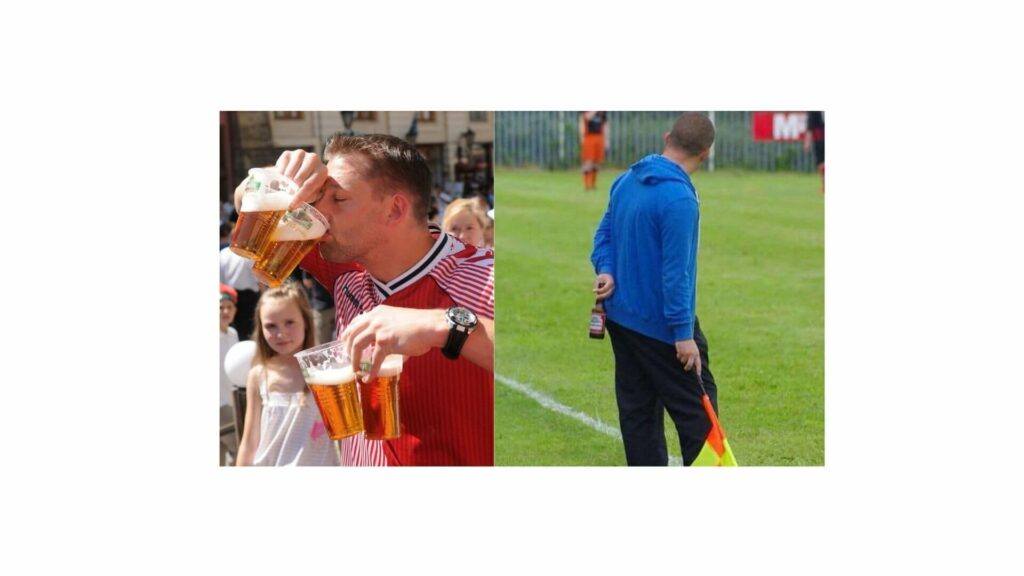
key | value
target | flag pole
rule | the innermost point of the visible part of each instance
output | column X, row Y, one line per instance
column 701, row 382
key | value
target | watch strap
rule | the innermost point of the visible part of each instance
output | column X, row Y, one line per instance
column 453, row 345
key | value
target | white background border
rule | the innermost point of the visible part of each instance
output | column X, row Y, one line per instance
column 111, row 131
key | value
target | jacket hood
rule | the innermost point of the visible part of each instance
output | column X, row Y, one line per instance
column 655, row 169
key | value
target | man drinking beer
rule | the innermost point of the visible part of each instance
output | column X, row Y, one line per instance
column 419, row 293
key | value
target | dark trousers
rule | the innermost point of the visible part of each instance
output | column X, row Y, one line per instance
column 649, row 379
column 245, row 318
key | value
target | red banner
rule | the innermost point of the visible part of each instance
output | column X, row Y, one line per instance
column 778, row 126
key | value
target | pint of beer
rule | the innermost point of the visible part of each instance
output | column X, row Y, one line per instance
column 380, row 401
column 328, row 373
column 295, row 235
column 267, row 195
column 336, row 396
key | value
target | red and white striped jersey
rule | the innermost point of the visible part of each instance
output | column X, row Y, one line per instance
column 325, row 271
column 447, row 407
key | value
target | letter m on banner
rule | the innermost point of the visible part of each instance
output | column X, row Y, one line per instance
column 778, row 126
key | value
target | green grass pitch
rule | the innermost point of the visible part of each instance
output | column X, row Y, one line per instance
column 760, row 301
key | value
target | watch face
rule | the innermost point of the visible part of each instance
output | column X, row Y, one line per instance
column 462, row 316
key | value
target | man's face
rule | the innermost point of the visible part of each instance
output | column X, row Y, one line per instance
column 356, row 213
column 705, row 155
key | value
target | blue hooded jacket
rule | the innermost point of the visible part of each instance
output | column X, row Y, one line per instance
column 647, row 241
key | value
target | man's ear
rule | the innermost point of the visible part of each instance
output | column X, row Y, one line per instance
column 664, row 138
column 399, row 207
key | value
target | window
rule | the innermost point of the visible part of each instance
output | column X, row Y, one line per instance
column 288, row 115
column 426, row 116
column 367, row 116
column 478, row 116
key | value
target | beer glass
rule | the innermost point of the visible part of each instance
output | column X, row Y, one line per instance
column 266, row 197
column 329, row 375
column 295, row 235
column 380, row 400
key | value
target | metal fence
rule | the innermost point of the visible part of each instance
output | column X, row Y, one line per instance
column 551, row 140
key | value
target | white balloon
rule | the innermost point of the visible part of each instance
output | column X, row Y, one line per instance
column 238, row 361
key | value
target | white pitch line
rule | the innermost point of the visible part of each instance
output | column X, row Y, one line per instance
column 556, row 406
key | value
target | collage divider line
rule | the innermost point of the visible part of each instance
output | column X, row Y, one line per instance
column 555, row 406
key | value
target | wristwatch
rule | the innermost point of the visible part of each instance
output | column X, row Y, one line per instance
column 461, row 323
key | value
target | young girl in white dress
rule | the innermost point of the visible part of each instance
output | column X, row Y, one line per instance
column 282, row 423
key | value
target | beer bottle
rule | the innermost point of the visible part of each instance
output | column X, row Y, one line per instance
column 597, row 321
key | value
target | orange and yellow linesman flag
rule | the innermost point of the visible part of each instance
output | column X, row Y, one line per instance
column 716, row 450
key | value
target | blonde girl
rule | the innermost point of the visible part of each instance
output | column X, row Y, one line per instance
column 465, row 220
column 282, row 423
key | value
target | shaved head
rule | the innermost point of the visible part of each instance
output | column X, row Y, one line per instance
column 692, row 134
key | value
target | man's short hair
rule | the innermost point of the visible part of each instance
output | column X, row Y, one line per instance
column 391, row 159
column 692, row 133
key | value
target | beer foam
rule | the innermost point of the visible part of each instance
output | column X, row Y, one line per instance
column 392, row 366
column 270, row 180
column 259, row 202
column 330, row 376
column 289, row 230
